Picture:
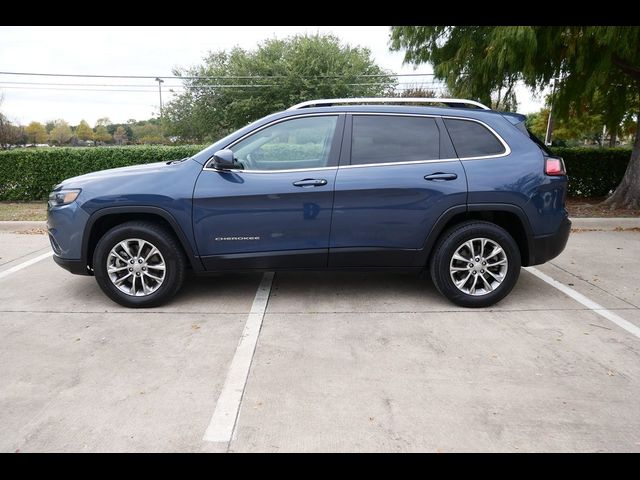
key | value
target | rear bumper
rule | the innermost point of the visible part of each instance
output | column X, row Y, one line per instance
column 77, row 267
column 546, row 247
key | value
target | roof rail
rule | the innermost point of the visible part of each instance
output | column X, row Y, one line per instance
column 450, row 102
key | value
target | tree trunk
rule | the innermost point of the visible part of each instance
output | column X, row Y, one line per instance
column 612, row 138
column 627, row 195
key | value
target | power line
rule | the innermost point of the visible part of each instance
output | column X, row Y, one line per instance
column 83, row 89
column 198, row 77
column 150, row 88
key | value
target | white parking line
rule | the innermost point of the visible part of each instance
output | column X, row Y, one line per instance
column 595, row 307
column 22, row 265
column 223, row 420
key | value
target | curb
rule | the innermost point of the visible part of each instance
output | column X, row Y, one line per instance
column 19, row 226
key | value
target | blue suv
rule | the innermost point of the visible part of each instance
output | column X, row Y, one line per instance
column 454, row 188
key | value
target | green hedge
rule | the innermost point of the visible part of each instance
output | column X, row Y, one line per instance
column 284, row 152
column 594, row 172
column 30, row 173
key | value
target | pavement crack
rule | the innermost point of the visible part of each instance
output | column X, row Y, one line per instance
column 23, row 256
column 594, row 285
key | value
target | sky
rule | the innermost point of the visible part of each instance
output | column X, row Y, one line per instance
column 142, row 51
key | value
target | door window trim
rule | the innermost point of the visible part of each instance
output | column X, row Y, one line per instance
column 411, row 162
column 333, row 150
column 341, row 135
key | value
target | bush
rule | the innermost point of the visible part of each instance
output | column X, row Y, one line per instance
column 291, row 153
column 30, row 174
column 594, row 172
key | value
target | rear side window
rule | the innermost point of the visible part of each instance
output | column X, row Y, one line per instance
column 472, row 139
column 384, row 139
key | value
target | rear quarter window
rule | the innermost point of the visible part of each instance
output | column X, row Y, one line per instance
column 472, row 139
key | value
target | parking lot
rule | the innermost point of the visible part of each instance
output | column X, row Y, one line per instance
column 342, row 361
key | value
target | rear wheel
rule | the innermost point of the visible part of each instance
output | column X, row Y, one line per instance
column 139, row 264
column 475, row 264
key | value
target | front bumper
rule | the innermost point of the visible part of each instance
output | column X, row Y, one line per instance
column 546, row 247
column 65, row 225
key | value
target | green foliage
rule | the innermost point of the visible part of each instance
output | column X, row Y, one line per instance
column 294, row 70
column 594, row 172
column 120, row 136
column 31, row 173
column 102, row 134
column 61, row 132
column 148, row 133
column 597, row 70
column 595, row 64
column 36, row 133
column 84, row 131
column 567, row 131
column 289, row 152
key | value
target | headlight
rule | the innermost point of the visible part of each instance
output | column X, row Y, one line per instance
column 63, row 197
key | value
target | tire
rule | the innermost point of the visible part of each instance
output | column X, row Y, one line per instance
column 453, row 241
column 154, row 285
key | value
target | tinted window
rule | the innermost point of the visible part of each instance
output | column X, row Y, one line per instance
column 298, row 143
column 472, row 139
column 382, row 139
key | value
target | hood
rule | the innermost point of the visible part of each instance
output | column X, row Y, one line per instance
column 113, row 174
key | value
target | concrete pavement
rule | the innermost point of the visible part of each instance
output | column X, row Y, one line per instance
column 343, row 362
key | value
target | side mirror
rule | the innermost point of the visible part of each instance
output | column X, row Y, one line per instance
column 223, row 159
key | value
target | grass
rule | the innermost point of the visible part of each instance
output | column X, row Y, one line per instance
column 23, row 211
column 578, row 207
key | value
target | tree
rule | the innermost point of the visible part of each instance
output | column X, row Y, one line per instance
column 566, row 131
column 278, row 74
column 84, row 131
column 595, row 66
column 36, row 133
column 120, row 136
column 149, row 133
column 101, row 134
column 61, row 132
column 10, row 134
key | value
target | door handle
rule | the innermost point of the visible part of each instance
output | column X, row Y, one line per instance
column 439, row 176
column 310, row 182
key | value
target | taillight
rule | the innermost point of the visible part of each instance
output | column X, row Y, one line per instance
column 554, row 166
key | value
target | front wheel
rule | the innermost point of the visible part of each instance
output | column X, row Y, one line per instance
column 475, row 264
column 139, row 264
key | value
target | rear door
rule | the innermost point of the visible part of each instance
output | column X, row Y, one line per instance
column 398, row 174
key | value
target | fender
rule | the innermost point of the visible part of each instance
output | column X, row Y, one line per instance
column 504, row 207
column 435, row 232
column 184, row 241
column 444, row 219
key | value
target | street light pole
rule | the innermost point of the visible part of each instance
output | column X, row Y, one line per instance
column 547, row 137
column 160, row 82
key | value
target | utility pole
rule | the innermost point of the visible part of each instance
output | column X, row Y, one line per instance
column 547, row 137
column 160, row 82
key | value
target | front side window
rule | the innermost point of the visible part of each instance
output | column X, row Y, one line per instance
column 293, row 144
column 472, row 139
column 386, row 138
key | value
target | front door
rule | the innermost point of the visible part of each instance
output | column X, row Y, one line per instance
column 398, row 175
column 274, row 210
